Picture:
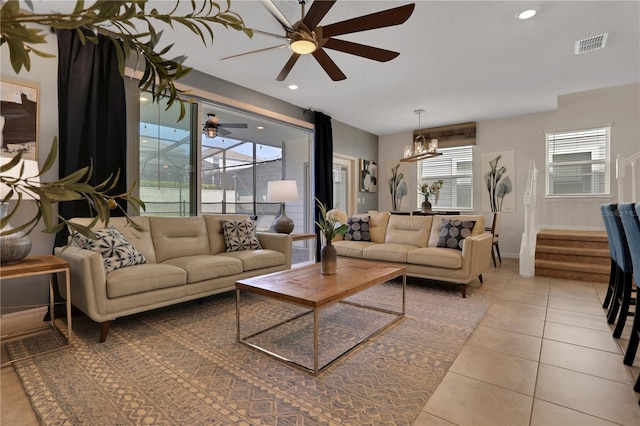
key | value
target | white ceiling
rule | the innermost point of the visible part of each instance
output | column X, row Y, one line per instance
column 459, row 60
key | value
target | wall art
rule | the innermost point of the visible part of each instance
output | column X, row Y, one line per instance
column 498, row 182
column 19, row 118
column 368, row 176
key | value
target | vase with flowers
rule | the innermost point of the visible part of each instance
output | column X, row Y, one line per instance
column 331, row 223
column 428, row 190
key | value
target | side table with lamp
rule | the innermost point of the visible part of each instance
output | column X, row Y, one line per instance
column 281, row 191
column 15, row 248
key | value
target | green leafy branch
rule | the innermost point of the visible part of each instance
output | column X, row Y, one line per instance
column 117, row 20
column 73, row 187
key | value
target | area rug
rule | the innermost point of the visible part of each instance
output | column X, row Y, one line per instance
column 181, row 365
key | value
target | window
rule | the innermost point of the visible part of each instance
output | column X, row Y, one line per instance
column 578, row 163
column 455, row 167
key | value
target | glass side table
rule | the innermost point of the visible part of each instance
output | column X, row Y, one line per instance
column 40, row 265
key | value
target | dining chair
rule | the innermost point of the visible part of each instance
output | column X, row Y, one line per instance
column 612, row 253
column 621, row 300
column 629, row 215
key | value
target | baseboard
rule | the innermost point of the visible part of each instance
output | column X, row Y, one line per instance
column 22, row 320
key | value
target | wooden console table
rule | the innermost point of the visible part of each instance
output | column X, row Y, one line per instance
column 40, row 265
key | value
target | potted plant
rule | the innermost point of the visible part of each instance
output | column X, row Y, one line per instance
column 428, row 190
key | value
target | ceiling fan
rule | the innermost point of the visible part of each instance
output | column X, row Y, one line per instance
column 307, row 37
column 213, row 127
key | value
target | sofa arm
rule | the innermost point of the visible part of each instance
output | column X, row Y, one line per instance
column 88, row 281
column 277, row 242
column 476, row 255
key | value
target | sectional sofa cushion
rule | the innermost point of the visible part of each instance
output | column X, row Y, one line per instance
column 410, row 230
column 116, row 251
column 358, row 229
column 143, row 278
column 170, row 240
column 206, row 267
column 453, row 233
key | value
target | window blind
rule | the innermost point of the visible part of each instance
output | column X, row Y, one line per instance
column 455, row 168
column 578, row 162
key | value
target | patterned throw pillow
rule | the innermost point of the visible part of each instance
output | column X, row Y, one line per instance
column 358, row 229
column 453, row 233
column 117, row 252
column 240, row 235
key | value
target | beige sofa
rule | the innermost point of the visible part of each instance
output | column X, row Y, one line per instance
column 412, row 242
column 186, row 259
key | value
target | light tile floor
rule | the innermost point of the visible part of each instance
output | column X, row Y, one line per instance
column 542, row 355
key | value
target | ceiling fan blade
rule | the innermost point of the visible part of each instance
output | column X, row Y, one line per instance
column 254, row 51
column 275, row 12
column 369, row 52
column 270, row 34
column 233, row 125
column 287, row 67
column 328, row 65
column 317, row 11
column 223, row 132
column 385, row 18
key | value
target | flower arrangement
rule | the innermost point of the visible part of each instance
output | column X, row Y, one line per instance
column 332, row 222
column 433, row 189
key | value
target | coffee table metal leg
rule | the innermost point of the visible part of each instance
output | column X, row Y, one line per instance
column 404, row 291
column 315, row 341
column 237, row 315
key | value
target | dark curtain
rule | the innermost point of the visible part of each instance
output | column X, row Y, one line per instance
column 92, row 116
column 323, row 162
column 92, row 121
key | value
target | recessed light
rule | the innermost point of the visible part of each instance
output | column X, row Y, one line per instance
column 293, row 87
column 260, row 127
column 527, row 14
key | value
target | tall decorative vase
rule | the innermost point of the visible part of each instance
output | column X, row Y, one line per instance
column 426, row 206
column 328, row 259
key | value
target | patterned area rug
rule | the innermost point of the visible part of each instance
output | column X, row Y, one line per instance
column 182, row 365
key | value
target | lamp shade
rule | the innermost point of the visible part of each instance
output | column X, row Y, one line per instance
column 282, row 190
column 30, row 171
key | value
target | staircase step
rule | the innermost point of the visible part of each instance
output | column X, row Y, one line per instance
column 573, row 254
column 573, row 266
column 573, row 234
column 575, row 251
column 574, row 259
column 572, row 275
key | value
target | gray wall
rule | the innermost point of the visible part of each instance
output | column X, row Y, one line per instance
column 525, row 135
column 359, row 144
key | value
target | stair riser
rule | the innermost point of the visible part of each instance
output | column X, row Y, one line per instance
column 590, row 260
column 573, row 243
column 572, row 275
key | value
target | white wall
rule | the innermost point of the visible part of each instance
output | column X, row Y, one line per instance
column 525, row 135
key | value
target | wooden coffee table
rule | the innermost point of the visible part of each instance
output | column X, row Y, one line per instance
column 307, row 287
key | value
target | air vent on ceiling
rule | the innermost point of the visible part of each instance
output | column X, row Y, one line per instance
column 591, row 43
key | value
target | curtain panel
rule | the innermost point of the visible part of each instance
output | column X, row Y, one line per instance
column 92, row 116
column 323, row 162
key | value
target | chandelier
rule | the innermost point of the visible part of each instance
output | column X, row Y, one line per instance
column 420, row 149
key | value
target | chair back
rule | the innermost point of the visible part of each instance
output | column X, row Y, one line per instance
column 631, row 223
column 608, row 222
column 623, row 258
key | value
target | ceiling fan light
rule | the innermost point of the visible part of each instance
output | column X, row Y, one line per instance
column 212, row 132
column 303, row 47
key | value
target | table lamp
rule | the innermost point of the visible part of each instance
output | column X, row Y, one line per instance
column 281, row 191
column 16, row 246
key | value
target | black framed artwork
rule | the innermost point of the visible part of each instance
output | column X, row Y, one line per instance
column 368, row 176
column 19, row 118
